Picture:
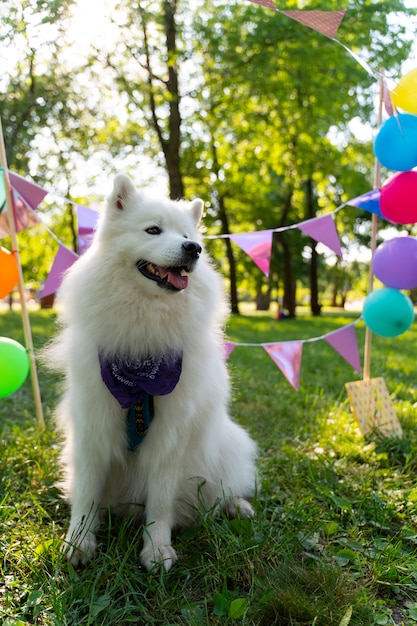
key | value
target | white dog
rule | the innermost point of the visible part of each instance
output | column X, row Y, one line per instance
column 145, row 410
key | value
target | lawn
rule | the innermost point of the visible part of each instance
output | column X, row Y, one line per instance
column 334, row 540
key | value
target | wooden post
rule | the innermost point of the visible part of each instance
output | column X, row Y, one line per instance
column 374, row 233
column 25, row 313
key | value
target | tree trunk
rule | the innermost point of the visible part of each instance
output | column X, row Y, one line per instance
column 172, row 147
column 234, row 300
column 288, row 282
column 314, row 290
column 169, row 138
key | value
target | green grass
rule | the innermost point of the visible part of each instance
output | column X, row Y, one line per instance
column 334, row 541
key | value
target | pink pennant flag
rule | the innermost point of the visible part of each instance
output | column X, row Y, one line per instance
column 323, row 229
column 344, row 341
column 228, row 347
column 386, row 98
column 87, row 221
column 63, row 260
column 324, row 22
column 265, row 3
column 258, row 246
column 24, row 217
column 30, row 193
column 287, row 355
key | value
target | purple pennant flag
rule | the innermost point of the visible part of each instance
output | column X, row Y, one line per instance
column 323, row 229
column 87, row 221
column 368, row 202
column 63, row 261
column 287, row 355
column 344, row 341
column 228, row 347
column 31, row 194
column 258, row 246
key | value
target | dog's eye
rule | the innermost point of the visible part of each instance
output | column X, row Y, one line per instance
column 154, row 230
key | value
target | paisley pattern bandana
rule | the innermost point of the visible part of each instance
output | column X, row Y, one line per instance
column 130, row 381
column 135, row 383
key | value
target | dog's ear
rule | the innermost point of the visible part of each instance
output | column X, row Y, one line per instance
column 123, row 189
column 197, row 207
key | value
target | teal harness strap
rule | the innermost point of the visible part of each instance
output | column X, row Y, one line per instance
column 139, row 418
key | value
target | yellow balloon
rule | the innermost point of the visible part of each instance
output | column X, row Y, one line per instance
column 404, row 95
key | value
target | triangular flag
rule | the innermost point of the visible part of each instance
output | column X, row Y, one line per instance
column 258, row 246
column 368, row 202
column 324, row 22
column 24, row 216
column 344, row 341
column 87, row 221
column 323, row 229
column 386, row 98
column 228, row 347
column 63, row 260
column 30, row 193
column 287, row 355
column 265, row 3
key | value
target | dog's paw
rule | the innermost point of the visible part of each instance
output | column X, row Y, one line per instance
column 237, row 507
column 79, row 551
column 158, row 556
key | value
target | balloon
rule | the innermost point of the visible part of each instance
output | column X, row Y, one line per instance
column 395, row 145
column 398, row 200
column 8, row 272
column 14, row 366
column 388, row 312
column 395, row 263
column 404, row 95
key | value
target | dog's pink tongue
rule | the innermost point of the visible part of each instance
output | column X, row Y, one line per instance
column 176, row 279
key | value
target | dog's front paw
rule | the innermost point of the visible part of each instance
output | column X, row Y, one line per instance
column 158, row 556
column 237, row 507
column 78, row 551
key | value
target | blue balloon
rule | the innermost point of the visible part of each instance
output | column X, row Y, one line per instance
column 388, row 312
column 395, row 146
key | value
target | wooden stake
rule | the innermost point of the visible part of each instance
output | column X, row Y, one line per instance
column 25, row 313
column 374, row 233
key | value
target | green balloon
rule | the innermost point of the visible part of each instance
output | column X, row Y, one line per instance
column 14, row 366
column 388, row 312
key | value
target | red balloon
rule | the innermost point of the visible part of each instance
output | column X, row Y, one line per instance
column 398, row 201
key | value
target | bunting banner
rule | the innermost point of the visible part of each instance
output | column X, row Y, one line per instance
column 323, row 230
column 325, row 22
column 344, row 341
column 228, row 347
column 287, row 355
column 258, row 246
column 87, row 222
column 368, row 202
column 63, row 260
column 26, row 197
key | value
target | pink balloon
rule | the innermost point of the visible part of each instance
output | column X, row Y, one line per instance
column 398, row 199
column 395, row 263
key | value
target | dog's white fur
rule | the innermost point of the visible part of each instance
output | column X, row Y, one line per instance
column 193, row 454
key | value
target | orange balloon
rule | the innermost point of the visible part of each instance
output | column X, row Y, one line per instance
column 8, row 272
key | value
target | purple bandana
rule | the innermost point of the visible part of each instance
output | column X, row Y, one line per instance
column 131, row 381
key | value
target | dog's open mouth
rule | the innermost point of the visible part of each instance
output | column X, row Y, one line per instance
column 174, row 278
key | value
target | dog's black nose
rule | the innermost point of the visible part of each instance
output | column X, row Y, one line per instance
column 192, row 248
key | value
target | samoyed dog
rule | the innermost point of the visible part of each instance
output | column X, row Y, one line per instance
column 144, row 414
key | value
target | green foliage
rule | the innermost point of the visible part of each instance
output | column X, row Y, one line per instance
column 333, row 542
